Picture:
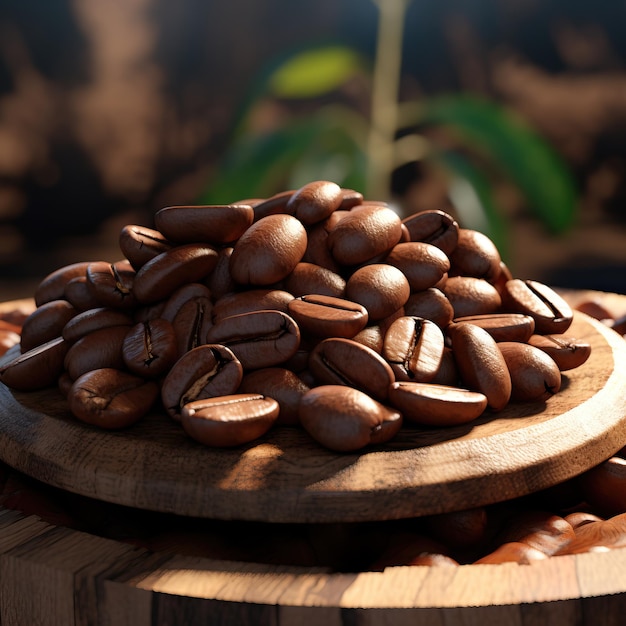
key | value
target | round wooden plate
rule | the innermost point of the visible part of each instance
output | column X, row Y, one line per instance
column 286, row 477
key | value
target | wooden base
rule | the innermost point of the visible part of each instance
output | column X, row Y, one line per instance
column 53, row 575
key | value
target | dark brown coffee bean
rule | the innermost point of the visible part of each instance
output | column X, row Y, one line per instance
column 350, row 198
column 480, row 363
column 436, row 405
column 534, row 375
column 431, row 304
column 168, row 271
column 207, row 371
column 434, row 227
column 423, row 264
column 46, row 322
column 471, row 296
column 382, row 289
column 338, row 361
column 219, row 281
column 280, row 384
column 112, row 284
column 258, row 339
column 110, row 398
column 363, row 234
column 268, row 251
column 139, row 244
column 551, row 313
column 604, row 487
column 190, row 291
column 52, row 287
column 192, row 324
column 251, row 300
column 229, row 421
column 315, row 201
column 149, row 348
column 475, row 255
column 503, row 326
column 274, row 205
column 567, row 352
column 372, row 337
column 94, row 319
column 37, row 368
column 99, row 349
column 413, row 347
column 308, row 278
column 219, row 224
column 343, row 419
column 317, row 251
column 79, row 295
column 325, row 316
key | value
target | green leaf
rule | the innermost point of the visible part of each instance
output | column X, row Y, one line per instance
column 471, row 193
column 511, row 145
column 315, row 72
column 323, row 146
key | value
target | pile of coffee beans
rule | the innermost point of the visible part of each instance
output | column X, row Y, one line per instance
column 314, row 307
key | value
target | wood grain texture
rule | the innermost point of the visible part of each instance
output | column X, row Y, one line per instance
column 286, row 477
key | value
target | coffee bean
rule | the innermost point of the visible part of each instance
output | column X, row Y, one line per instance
column 52, row 287
column 112, row 284
column 149, row 348
column 315, row 201
column 502, row 326
column 567, row 352
column 475, row 255
column 471, row 296
column 423, row 264
column 140, row 244
column 326, row 316
column 46, row 322
column 435, row 227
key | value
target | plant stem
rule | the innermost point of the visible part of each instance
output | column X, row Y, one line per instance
column 384, row 105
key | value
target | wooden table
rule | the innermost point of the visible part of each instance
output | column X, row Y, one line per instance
column 53, row 571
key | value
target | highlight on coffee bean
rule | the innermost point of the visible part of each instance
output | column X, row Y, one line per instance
column 315, row 309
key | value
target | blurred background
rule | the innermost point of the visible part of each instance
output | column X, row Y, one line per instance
column 509, row 113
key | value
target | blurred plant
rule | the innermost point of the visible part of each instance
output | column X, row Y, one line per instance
column 302, row 122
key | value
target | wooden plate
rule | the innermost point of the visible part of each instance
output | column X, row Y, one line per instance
column 286, row 477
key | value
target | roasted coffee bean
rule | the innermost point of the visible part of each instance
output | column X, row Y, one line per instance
column 534, row 375
column 567, row 352
column 219, row 281
column 317, row 251
column 99, row 349
column 604, row 486
column 598, row 536
column 471, row 296
column 436, row 405
column 112, row 284
column 480, row 363
column 268, row 251
column 503, row 326
column 46, row 322
column 315, row 201
column 79, row 295
column 343, row 419
column 431, row 304
column 541, row 530
column 363, row 234
column 372, row 337
column 338, row 361
column 150, row 348
column 190, row 291
column 581, row 518
column 110, row 398
column 308, row 278
column 207, row 371
column 99, row 318
column 274, row 205
column 413, row 347
column 229, row 421
column 475, row 255
column 258, row 339
column 512, row 552
column 218, row 224
column 448, row 372
column 551, row 313
column 434, row 227
column 168, row 271
column 280, row 384
column 52, row 287
column 325, row 316
column 37, row 368
column 423, row 264
column 382, row 289
column 251, row 300
column 139, row 244
column 350, row 198
column 502, row 278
